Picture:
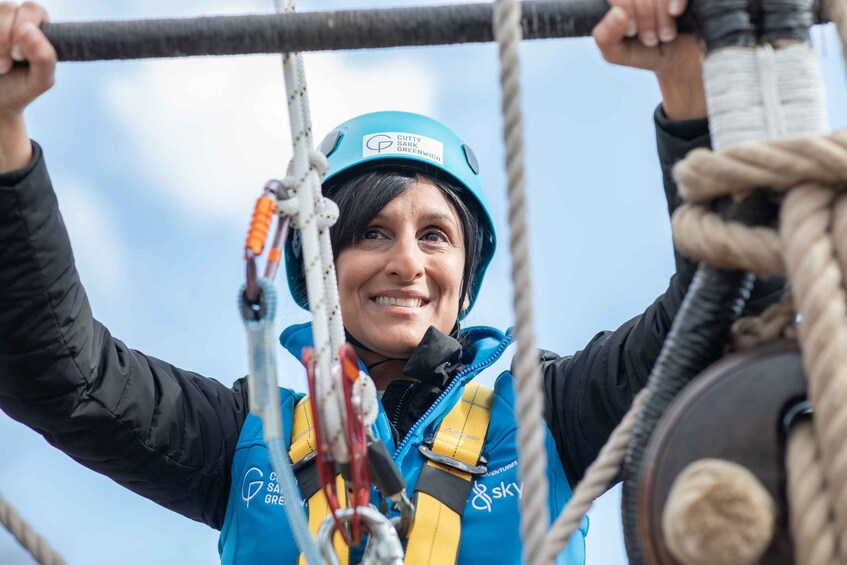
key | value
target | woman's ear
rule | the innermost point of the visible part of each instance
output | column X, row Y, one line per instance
column 466, row 303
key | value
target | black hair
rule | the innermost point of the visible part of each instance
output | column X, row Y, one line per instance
column 360, row 198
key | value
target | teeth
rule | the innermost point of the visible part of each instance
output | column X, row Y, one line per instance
column 407, row 302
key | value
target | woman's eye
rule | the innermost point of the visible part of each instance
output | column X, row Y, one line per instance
column 371, row 233
column 435, row 236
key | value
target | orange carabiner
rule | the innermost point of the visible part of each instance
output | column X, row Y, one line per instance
column 257, row 235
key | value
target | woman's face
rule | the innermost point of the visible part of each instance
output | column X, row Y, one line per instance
column 405, row 272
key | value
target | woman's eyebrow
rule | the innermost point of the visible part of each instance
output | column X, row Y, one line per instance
column 439, row 217
column 429, row 217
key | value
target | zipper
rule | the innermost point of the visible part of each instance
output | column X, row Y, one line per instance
column 456, row 380
column 401, row 405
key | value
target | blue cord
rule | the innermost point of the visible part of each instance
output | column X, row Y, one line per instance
column 264, row 403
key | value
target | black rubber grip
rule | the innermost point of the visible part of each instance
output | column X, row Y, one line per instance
column 724, row 23
column 714, row 301
column 786, row 19
column 316, row 31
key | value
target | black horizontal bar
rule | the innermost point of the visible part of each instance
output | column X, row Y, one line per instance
column 313, row 31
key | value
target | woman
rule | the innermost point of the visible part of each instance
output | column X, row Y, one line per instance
column 411, row 250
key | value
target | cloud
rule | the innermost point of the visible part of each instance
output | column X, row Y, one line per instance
column 216, row 129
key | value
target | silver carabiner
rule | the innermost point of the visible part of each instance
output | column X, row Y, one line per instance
column 384, row 547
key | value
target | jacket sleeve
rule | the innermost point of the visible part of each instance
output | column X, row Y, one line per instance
column 165, row 433
column 588, row 393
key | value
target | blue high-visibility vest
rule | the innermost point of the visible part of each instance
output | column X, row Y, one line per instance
column 256, row 531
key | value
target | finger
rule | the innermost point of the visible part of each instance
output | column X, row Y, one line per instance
column 29, row 12
column 41, row 56
column 645, row 19
column 611, row 30
column 677, row 7
column 631, row 26
column 609, row 35
column 7, row 19
column 665, row 21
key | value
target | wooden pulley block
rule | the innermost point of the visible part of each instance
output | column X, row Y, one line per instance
column 734, row 411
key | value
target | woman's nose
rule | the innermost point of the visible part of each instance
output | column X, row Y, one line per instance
column 406, row 260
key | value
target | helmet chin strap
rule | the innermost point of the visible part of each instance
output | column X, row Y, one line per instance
column 454, row 333
column 359, row 345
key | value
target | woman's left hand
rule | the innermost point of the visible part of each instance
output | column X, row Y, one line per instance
column 643, row 34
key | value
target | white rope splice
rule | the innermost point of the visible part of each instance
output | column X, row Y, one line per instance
column 762, row 93
column 26, row 536
column 531, row 450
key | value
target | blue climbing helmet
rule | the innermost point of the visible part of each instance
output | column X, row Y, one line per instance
column 401, row 140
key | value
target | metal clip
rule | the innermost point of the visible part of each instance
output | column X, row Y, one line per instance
column 304, row 461
column 426, row 450
column 384, row 547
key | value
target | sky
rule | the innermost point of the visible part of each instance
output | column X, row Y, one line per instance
column 157, row 165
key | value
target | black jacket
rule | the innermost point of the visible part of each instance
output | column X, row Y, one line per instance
column 169, row 434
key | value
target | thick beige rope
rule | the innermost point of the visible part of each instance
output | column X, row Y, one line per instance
column 811, row 520
column 598, row 477
column 783, row 164
column 807, row 248
column 817, row 281
column 776, row 322
column 718, row 512
column 26, row 536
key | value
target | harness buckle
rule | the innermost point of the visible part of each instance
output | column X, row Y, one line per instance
column 308, row 458
column 426, row 450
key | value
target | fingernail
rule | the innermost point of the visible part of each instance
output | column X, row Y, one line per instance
column 631, row 29
column 5, row 65
column 667, row 34
column 649, row 39
column 16, row 53
column 675, row 8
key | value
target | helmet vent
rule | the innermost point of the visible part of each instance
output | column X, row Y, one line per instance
column 330, row 142
column 470, row 157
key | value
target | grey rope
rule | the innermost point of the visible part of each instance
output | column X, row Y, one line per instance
column 26, row 536
column 316, row 31
column 525, row 365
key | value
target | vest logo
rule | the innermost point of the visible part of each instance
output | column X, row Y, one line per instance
column 251, row 489
column 254, row 484
column 485, row 500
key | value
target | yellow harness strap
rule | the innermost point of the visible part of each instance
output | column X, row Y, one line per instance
column 445, row 481
column 442, row 488
column 301, row 452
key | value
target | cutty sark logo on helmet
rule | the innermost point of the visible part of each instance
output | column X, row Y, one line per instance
column 404, row 144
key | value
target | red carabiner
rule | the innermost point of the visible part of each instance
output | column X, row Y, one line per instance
column 359, row 480
column 357, row 440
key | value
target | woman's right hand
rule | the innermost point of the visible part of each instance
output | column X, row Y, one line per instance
column 21, row 38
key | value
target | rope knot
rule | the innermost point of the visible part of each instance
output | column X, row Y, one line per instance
column 326, row 212
column 318, row 163
column 290, row 205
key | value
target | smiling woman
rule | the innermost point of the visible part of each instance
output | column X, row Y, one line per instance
column 411, row 249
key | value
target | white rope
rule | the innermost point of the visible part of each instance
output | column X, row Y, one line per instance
column 762, row 93
column 532, row 455
column 313, row 215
